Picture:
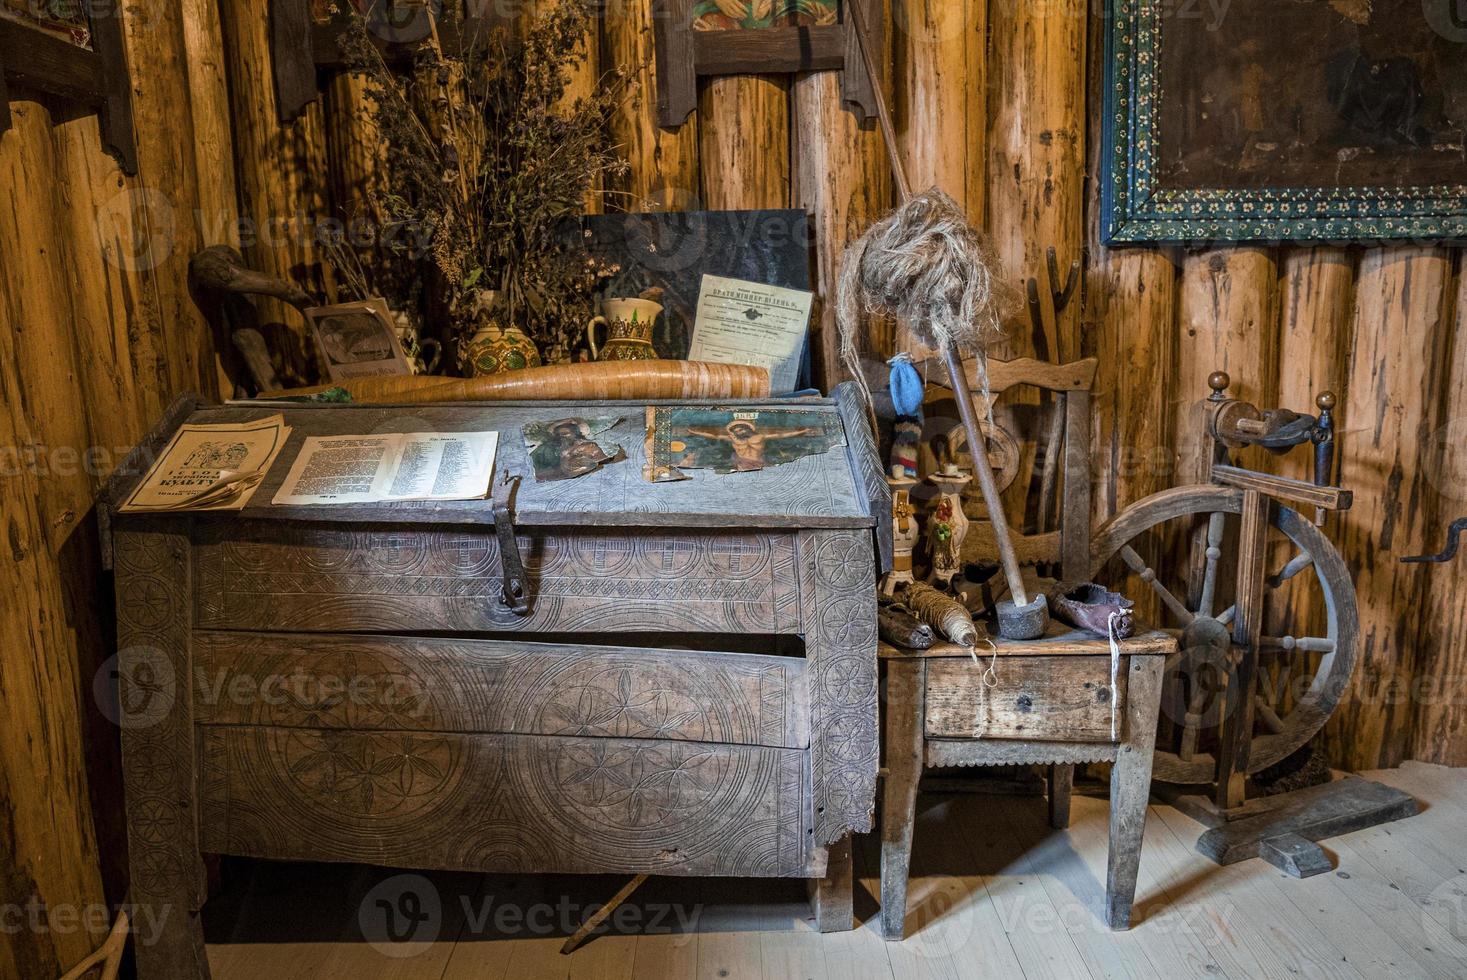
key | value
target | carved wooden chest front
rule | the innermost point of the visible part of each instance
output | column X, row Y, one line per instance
column 692, row 690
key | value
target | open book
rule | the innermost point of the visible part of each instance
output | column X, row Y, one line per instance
column 366, row 469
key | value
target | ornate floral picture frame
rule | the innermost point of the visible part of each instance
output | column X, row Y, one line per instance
column 1316, row 120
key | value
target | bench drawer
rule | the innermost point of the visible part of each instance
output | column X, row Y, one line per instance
column 1059, row 699
column 515, row 803
column 394, row 683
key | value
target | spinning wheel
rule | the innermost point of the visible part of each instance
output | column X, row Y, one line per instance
column 1307, row 597
column 1264, row 611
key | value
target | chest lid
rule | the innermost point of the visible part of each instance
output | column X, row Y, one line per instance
column 838, row 488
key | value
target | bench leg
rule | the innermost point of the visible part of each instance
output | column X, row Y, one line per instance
column 831, row 896
column 1130, row 788
column 905, row 694
column 1061, row 782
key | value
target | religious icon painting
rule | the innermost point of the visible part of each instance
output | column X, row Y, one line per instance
column 563, row 449
column 733, row 440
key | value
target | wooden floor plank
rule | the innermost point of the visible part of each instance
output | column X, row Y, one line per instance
column 1023, row 909
column 730, row 956
column 1440, row 784
column 609, row 957
column 994, row 892
column 665, row 957
column 1053, row 858
column 1280, row 936
column 952, row 926
column 1427, row 940
column 1363, row 937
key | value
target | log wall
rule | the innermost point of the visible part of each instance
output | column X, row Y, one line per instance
column 97, row 335
column 994, row 102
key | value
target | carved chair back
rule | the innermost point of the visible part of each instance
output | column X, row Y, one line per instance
column 1043, row 441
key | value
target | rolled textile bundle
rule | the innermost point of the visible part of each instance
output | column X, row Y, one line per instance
column 943, row 613
column 608, row 380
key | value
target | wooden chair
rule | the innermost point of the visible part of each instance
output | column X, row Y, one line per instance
column 1065, row 474
column 1059, row 701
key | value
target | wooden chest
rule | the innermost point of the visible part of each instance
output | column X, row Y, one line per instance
column 692, row 691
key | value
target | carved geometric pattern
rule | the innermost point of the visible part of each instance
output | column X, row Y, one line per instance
column 997, row 752
column 509, row 802
column 866, row 463
column 270, row 575
column 838, row 596
column 497, row 686
column 153, row 629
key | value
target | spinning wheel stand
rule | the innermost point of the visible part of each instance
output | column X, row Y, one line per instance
column 1237, row 700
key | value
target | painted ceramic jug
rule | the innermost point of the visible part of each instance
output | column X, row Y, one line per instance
column 497, row 347
column 628, row 324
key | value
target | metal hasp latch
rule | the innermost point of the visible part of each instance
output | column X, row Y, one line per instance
column 516, row 591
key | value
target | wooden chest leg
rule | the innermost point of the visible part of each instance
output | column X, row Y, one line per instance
column 158, row 756
column 1130, row 788
column 905, row 699
column 832, row 896
column 1061, row 783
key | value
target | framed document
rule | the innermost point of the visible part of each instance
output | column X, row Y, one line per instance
column 743, row 322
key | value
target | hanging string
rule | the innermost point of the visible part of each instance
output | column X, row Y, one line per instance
column 989, row 679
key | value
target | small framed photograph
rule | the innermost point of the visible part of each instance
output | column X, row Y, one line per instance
column 357, row 340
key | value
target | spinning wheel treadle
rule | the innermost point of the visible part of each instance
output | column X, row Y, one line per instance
column 1300, row 677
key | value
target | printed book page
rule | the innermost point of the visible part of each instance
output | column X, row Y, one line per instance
column 367, row 469
column 210, row 467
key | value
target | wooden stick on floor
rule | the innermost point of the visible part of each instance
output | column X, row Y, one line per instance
column 108, row 956
column 601, row 914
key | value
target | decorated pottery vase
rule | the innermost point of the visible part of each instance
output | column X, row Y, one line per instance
column 496, row 347
column 629, row 324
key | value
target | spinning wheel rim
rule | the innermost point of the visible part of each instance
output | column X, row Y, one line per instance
column 1331, row 678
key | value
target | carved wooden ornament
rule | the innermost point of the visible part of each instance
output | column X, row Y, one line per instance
column 685, row 53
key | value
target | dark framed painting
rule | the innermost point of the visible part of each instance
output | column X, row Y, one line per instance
column 1285, row 120
column 306, row 35
column 73, row 50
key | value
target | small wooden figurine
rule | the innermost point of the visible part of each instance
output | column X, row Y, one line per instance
column 905, row 532
column 948, row 525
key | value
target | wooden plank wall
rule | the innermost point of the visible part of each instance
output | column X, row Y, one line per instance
column 97, row 335
column 996, row 103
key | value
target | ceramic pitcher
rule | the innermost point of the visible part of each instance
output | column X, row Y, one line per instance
column 629, row 324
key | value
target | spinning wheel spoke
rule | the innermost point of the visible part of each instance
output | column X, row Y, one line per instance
column 1215, row 524
column 1295, row 565
column 1192, row 723
column 1308, row 644
column 1265, row 715
column 1148, row 575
